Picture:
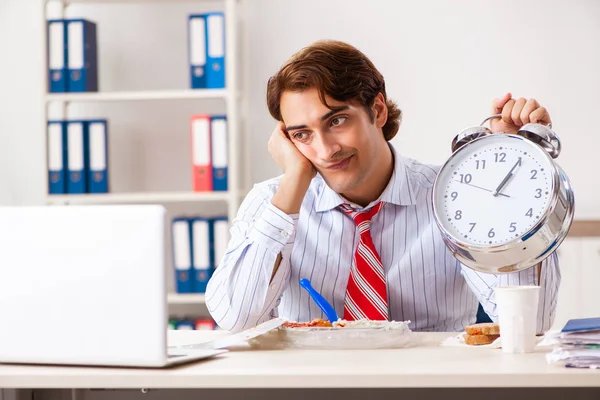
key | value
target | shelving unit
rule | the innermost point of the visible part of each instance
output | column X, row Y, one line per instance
column 185, row 94
column 140, row 197
column 231, row 96
column 192, row 298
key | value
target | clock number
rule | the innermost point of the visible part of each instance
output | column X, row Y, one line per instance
column 454, row 195
column 472, row 226
column 491, row 233
column 534, row 174
column 529, row 213
column 513, row 227
column 500, row 157
column 465, row 178
column 477, row 163
column 458, row 214
column 538, row 193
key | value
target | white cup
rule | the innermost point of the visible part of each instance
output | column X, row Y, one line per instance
column 517, row 317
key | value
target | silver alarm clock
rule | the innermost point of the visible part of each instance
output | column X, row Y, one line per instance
column 501, row 201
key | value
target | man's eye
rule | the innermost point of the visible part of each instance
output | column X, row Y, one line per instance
column 337, row 121
column 300, row 135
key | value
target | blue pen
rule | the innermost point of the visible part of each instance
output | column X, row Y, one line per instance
column 320, row 300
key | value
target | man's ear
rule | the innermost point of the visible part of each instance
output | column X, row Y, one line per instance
column 380, row 111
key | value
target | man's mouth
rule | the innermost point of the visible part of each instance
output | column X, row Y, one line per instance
column 340, row 165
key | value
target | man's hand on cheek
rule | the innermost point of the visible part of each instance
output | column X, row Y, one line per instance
column 287, row 156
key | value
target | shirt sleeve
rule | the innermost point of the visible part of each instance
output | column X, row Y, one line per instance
column 241, row 293
column 547, row 277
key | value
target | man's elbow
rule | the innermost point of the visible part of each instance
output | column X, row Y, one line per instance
column 226, row 314
column 235, row 325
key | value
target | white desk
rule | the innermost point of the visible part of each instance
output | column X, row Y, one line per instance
column 426, row 366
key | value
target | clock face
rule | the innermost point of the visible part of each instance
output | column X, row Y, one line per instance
column 494, row 190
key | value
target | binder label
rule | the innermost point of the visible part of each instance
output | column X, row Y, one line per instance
column 97, row 147
column 201, row 151
column 57, row 46
column 221, row 229
column 197, row 42
column 76, row 48
column 75, row 146
column 200, row 237
column 216, row 42
column 55, row 149
column 181, row 247
column 219, row 143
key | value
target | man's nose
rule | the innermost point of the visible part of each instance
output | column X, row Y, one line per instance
column 327, row 147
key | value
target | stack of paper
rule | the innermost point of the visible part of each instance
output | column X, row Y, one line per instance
column 578, row 344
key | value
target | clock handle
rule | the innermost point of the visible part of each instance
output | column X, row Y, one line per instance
column 490, row 117
column 469, row 134
column 544, row 136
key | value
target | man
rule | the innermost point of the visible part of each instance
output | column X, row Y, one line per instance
column 340, row 172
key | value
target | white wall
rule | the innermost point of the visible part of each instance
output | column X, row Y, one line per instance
column 444, row 62
column 21, row 128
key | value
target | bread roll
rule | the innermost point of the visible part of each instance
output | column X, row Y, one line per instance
column 477, row 340
column 486, row 328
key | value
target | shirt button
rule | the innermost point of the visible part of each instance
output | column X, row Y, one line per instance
column 283, row 233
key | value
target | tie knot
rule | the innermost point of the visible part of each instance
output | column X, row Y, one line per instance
column 362, row 218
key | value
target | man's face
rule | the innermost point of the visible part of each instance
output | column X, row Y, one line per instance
column 342, row 142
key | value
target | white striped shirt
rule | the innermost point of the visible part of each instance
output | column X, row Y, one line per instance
column 425, row 283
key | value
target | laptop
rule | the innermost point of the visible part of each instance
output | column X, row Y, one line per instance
column 86, row 285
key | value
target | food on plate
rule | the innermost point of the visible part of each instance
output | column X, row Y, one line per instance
column 341, row 334
column 342, row 323
column 485, row 328
column 317, row 322
column 480, row 334
column 478, row 340
column 368, row 323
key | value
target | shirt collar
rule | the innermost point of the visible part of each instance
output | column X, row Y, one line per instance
column 400, row 190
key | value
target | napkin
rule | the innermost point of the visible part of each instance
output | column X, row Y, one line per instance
column 459, row 341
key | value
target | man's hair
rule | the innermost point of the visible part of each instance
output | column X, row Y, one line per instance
column 335, row 69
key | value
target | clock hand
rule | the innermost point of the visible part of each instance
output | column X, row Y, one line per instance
column 482, row 188
column 506, row 178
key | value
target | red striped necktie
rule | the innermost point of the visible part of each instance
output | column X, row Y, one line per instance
column 366, row 295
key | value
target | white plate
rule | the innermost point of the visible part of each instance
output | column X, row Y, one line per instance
column 392, row 335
